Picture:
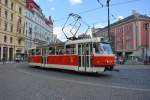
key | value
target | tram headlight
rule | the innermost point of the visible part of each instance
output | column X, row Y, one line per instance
column 107, row 61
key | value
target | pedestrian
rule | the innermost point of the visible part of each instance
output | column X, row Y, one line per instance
column 3, row 60
column 121, row 60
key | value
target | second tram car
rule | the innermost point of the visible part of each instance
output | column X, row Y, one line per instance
column 86, row 55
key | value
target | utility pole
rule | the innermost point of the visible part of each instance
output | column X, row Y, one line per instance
column 108, row 1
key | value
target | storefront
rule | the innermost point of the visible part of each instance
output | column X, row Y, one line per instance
column 20, row 55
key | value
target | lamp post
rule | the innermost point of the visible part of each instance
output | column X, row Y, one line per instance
column 108, row 1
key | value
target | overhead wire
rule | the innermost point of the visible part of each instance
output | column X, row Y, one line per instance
column 97, row 8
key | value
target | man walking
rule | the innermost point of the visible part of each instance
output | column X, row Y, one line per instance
column 3, row 60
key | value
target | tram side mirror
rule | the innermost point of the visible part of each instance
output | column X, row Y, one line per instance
column 102, row 39
column 93, row 50
column 94, row 46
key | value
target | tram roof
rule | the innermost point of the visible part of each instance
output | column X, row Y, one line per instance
column 92, row 40
column 52, row 44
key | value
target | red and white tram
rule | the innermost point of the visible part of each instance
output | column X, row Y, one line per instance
column 86, row 55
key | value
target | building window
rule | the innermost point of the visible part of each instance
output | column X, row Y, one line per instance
column 20, row 10
column 19, row 25
column 0, row 12
column 12, row 16
column 20, row 30
column 12, row 6
column 19, row 21
column 0, row 23
column 11, row 39
column 48, row 39
column 6, row 2
column 30, row 30
column 11, row 28
column 19, row 41
column 6, row 14
column 5, row 39
column 5, row 27
column 24, row 28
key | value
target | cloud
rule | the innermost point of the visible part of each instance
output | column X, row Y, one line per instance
column 89, row 32
column 36, row 1
column 52, row 8
column 115, row 19
column 59, row 33
column 120, row 17
column 75, row 2
column 99, row 25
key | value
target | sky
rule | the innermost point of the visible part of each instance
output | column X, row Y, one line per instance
column 90, row 11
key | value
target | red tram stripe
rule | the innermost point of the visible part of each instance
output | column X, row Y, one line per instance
column 36, row 59
column 103, row 60
column 63, row 60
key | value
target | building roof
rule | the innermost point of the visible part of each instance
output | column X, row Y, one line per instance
column 32, row 6
column 96, row 39
column 131, row 17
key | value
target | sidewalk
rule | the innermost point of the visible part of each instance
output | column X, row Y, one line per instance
column 8, row 62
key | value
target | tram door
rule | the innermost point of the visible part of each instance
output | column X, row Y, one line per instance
column 84, row 53
column 44, row 57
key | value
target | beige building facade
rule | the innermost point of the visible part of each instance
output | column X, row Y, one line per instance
column 12, row 38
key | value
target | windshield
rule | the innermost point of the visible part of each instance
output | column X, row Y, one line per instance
column 103, row 48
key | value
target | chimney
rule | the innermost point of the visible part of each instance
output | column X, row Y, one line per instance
column 50, row 20
column 135, row 13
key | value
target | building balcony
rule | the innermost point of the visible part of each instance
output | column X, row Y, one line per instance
column 40, row 42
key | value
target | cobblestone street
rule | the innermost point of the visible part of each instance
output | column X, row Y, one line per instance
column 21, row 82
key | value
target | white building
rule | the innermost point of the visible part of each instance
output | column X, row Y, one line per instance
column 38, row 29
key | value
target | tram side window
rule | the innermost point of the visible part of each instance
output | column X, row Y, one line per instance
column 71, row 49
column 79, row 49
column 60, row 50
column 51, row 50
column 38, row 51
column 30, row 52
column 33, row 52
column 97, row 48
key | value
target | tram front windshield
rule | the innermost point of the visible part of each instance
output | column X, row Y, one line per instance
column 103, row 48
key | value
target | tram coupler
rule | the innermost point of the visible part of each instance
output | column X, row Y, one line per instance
column 111, row 69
